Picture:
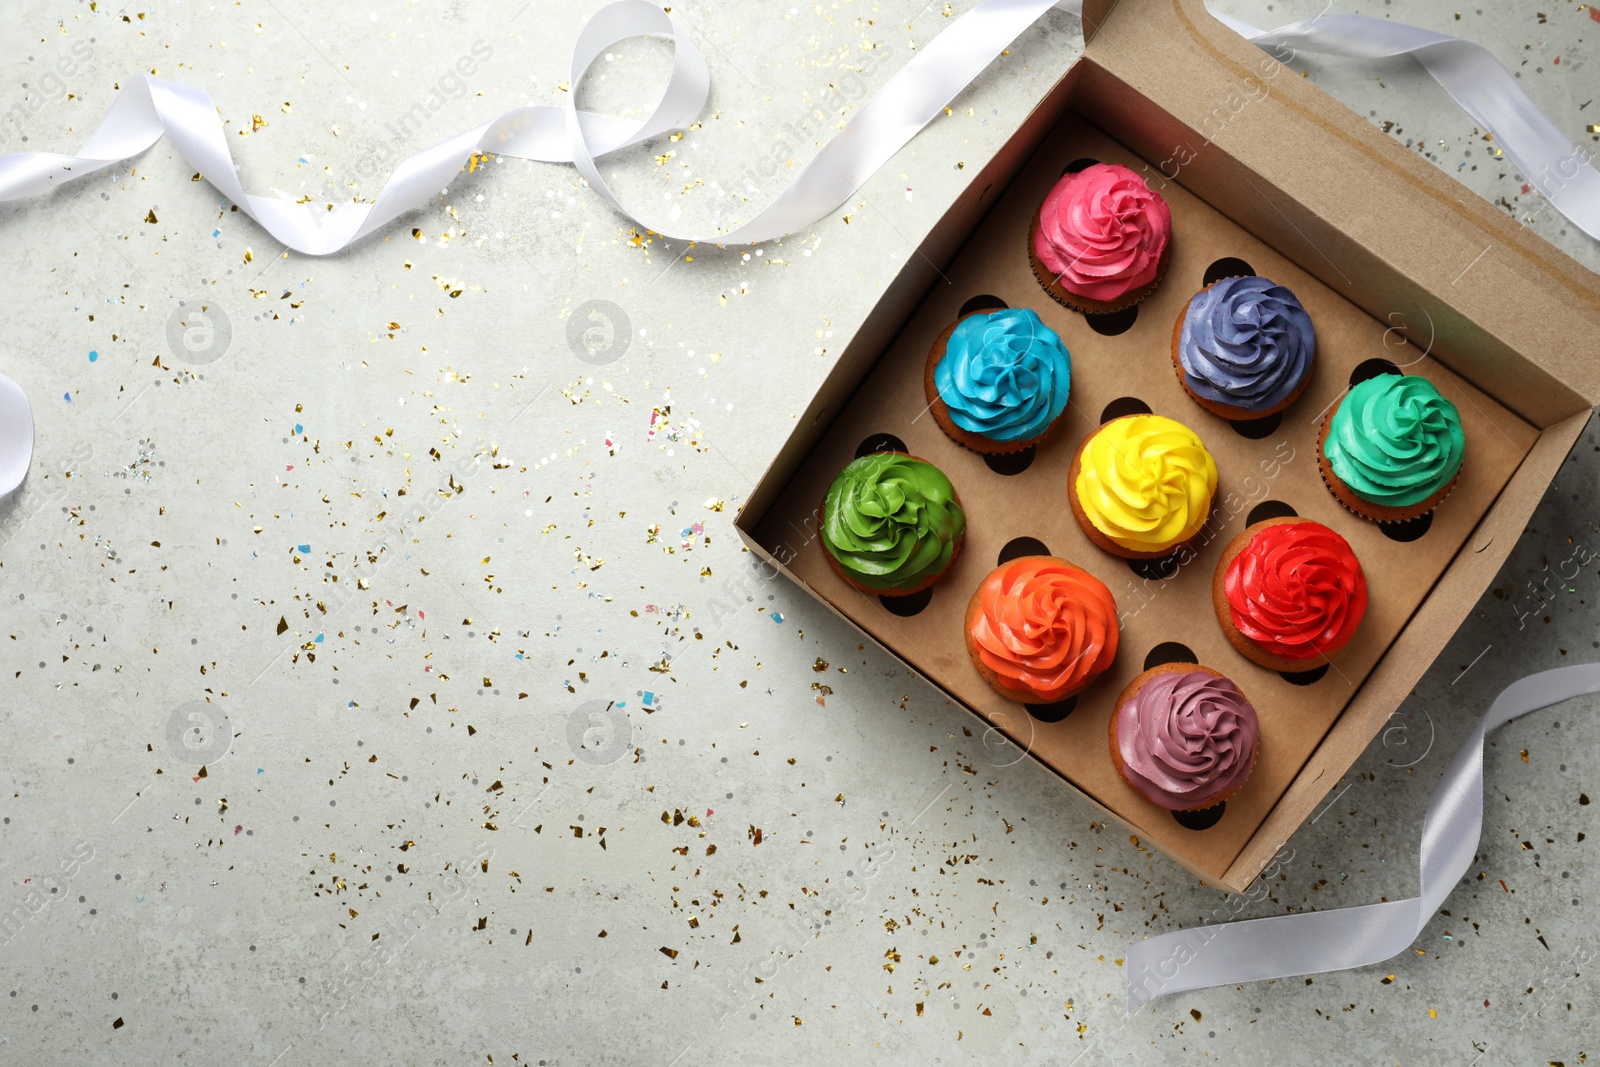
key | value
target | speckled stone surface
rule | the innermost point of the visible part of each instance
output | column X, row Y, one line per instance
column 424, row 553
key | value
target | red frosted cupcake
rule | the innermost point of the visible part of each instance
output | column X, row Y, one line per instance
column 1101, row 240
column 1040, row 630
column 1289, row 594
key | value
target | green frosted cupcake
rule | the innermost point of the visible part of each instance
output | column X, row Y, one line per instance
column 1391, row 448
column 891, row 524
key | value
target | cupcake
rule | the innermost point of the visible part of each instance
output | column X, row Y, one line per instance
column 1184, row 736
column 1243, row 348
column 1142, row 485
column 997, row 381
column 1289, row 594
column 891, row 523
column 1101, row 240
column 1040, row 630
column 1391, row 448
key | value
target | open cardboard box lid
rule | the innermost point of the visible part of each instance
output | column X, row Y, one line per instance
column 1380, row 227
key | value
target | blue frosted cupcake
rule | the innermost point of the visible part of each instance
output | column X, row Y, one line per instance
column 1244, row 348
column 997, row 381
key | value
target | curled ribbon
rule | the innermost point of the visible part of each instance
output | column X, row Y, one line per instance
column 16, row 435
column 1282, row 946
column 150, row 107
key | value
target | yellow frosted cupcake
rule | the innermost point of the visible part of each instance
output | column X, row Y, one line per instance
column 1142, row 485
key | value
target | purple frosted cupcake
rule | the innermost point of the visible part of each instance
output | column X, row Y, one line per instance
column 1244, row 347
column 1184, row 736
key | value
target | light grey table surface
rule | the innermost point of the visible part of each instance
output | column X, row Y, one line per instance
column 404, row 538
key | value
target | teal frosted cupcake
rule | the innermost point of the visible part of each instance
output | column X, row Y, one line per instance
column 891, row 524
column 1391, row 448
column 997, row 381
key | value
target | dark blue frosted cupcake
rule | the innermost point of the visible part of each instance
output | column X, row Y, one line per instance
column 997, row 381
column 1244, row 347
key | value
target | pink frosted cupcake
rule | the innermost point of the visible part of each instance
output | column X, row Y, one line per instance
column 1102, row 239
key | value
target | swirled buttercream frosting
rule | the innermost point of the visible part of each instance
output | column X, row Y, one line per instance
column 1146, row 482
column 1245, row 342
column 1004, row 374
column 1102, row 231
column 1043, row 627
column 892, row 521
column 1296, row 590
column 1186, row 738
column 1394, row 441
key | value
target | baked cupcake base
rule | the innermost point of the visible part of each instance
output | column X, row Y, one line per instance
column 1128, row 693
column 1076, row 302
column 941, row 411
column 1105, row 543
column 1231, row 412
column 1357, row 506
column 1242, row 644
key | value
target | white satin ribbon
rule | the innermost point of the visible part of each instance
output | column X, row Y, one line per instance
column 150, row 106
column 16, row 435
column 1281, row 946
column 1560, row 170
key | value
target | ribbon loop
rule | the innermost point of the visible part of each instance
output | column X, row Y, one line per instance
column 1281, row 946
column 913, row 97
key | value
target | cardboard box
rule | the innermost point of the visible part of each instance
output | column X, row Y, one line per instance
column 1393, row 261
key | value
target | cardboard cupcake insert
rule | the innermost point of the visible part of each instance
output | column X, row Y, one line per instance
column 1120, row 364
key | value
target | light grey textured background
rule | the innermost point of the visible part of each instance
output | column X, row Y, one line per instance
column 403, row 537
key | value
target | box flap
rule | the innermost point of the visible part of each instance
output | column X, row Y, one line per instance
column 1455, row 275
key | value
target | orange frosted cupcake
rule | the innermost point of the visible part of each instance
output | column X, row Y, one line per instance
column 1040, row 630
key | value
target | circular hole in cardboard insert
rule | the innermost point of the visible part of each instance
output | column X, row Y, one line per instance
column 1078, row 165
column 1123, row 405
column 1407, row 531
column 1052, row 712
column 1227, row 267
column 906, row 606
column 1157, row 570
column 1204, row 819
column 1256, row 429
column 880, row 442
column 1169, row 652
column 1270, row 509
column 1311, row 677
column 1018, row 547
column 982, row 302
column 1372, row 368
column 1009, row 463
column 1113, row 322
